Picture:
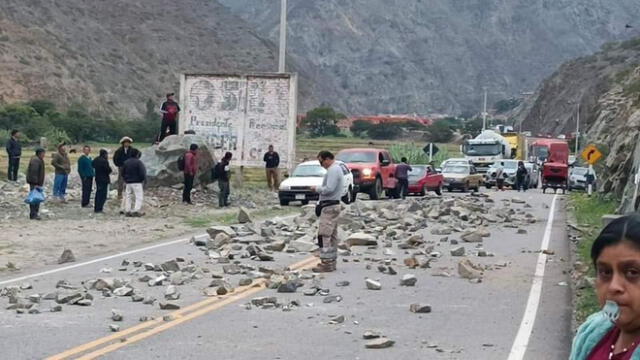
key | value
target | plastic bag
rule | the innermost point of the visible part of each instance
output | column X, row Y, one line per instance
column 36, row 196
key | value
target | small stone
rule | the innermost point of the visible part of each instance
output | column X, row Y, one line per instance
column 468, row 270
column 171, row 293
column 34, row 310
column 123, row 291
column 26, row 286
column 149, row 300
column 114, row 328
column 84, row 302
column 137, row 298
column 337, row 320
column 408, row 280
column 167, row 318
column 116, row 315
column 243, row 216
column 391, row 271
column 370, row 334
column 459, row 251
column 548, row 252
column 373, row 285
column 245, row 282
column 169, row 306
column 420, row 308
column 342, row 283
column 170, row 266
column 332, row 298
column 522, row 231
column 474, row 236
column 66, row 257
column 361, row 239
column 224, row 289
column 482, row 253
column 288, row 287
column 56, row 308
column 379, row 343
column 453, row 242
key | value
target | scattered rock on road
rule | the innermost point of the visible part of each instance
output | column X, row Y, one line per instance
column 373, row 285
column 379, row 343
column 66, row 257
column 420, row 308
column 408, row 280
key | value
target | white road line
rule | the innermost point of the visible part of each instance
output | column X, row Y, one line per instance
column 64, row 268
column 521, row 341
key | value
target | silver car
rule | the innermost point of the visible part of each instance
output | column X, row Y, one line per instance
column 578, row 178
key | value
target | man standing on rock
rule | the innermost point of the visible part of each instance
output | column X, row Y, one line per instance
column 85, row 169
column 62, row 167
column 272, row 161
column 102, row 172
column 222, row 172
column 402, row 174
column 14, row 152
column 330, row 193
column 169, row 110
column 190, row 170
column 35, row 179
column 121, row 155
column 134, row 174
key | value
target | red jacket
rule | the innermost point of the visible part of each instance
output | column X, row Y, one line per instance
column 190, row 163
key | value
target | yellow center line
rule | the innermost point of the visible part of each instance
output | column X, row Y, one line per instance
column 156, row 326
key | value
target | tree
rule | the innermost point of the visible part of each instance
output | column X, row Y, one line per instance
column 473, row 127
column 322, row 121
column 23, row 118
column 440, row 132
column 360, row 127
column 385, row 131
column 42, row 107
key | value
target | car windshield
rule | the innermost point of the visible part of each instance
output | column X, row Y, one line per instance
column 510, row 165
column 309, row 171
column 483, row 149
column 417, row 171
column 357, row 157
column 455, row 162
column 456, row 169
column 579, row 171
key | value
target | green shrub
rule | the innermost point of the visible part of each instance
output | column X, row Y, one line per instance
column 415, row 154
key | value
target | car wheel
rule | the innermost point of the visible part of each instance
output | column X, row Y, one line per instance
column 348, row 197
column 376, row 191
column 465, row 188
column 439, row 190
column 284, row 202
column 449, row 189
column 487, row 185
column 305, row 202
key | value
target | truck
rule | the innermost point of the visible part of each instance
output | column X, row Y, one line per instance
column 486, row 149
column 373, row 171
column 518, row 144
column 554, row 156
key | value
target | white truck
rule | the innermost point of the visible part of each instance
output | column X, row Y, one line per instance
column 486, row 149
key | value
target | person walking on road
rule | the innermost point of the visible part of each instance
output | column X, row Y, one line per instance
column 85, row 169
column 222, row 173
column 169, row 110
column 521, row 177
column 62, row 167
column 35, row 179
column 134, row 174
column 119, row 157
column 614, row 331
column 329, row 210
column 500, row 177
column 102, row 172
column 402, row 174
column 190, row 170
column 14, row 152
column 272, row 161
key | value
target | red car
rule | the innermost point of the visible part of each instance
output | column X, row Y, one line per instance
column 423, row 178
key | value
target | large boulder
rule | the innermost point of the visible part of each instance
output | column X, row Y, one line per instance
column 161, row 160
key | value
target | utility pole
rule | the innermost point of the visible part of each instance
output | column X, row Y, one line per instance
column 484, row 111
column 578, row 129
column 283, row 36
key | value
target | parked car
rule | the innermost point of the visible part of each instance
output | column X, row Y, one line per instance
column 373, row 171
column 297, row 187
column 578, row 178
column 423, row 178
column 463, row 177
column 454, row 161
column 509, row 168
column 533, row 176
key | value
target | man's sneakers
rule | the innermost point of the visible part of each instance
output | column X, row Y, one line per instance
column 325, row 266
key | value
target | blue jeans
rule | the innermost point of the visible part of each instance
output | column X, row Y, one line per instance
column 60, row 185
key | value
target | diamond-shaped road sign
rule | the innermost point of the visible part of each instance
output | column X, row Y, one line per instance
column 591, row 154
column 434, row 149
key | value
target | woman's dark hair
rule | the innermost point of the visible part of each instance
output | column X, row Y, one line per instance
column 14, row 132
column 324, row 155
column 228, row 155
column 625, row 228
column 404, row 159
column 193, row 147
column 104, row 153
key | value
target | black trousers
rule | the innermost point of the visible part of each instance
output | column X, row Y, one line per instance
column 167, row 125
column 101, row 196
column 188, row 185
column 87, row 187
column 404, row 187
column 34, row 209
column 223, row 195
column 12, row 172
column 520, row 184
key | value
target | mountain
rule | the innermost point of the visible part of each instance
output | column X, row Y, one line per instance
column 115, row 55
column 423, row 56
column 607, row 87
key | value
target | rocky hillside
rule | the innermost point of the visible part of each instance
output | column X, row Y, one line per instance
column 115, row 55
column 607, row 87
column 433, row 55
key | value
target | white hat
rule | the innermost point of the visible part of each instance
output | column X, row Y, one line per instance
column 126, row 138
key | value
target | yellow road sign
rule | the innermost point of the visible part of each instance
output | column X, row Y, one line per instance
column 591, row 154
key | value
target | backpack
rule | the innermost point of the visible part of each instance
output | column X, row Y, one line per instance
column 181, row 162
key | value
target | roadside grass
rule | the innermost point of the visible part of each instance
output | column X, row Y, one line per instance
column 231, row 217
column 588, row 212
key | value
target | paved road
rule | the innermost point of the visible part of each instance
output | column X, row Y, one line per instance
column 468, row 321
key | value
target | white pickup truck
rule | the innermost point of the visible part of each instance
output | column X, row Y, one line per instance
column 297, row 187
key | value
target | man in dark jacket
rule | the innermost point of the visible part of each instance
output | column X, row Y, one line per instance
column 222, row 173
column 190, row 170
column 272, row 161
column 134, row 174
column 521, row 177
column 62, row 167
column 85, row 169
column 102, row 172
column 35, row 178
column 14, row 152
column 119, row 157
column 402, row 174
column 169, row 110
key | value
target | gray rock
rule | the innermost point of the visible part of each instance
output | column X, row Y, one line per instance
column 332, row 298
column 66, row 257
column 170, row 266
column 408, row 280
column 301, row 245
column 168, row 306
column 420, row 308
column 244, row 217
column 116, row 315
column 171, row 293
column 467, row 270
column 459, row 251
column 371, row 334
column 373, row 285
column 288, row 287
column 114, row 328
column 245, row 282
column 123, row 291
column 149, row 300
column 361, row 239
column 215, row 230
column 337, row 320
column 473, row 236
column 200, row 240
column 522, row 231
column 379, row 343
column 56, row 308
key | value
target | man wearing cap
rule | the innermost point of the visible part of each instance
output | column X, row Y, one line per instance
column 62, row 166
column 169, row 110
column 119, row 157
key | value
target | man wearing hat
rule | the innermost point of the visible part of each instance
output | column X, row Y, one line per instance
column 119, row 157
column 169, row 110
